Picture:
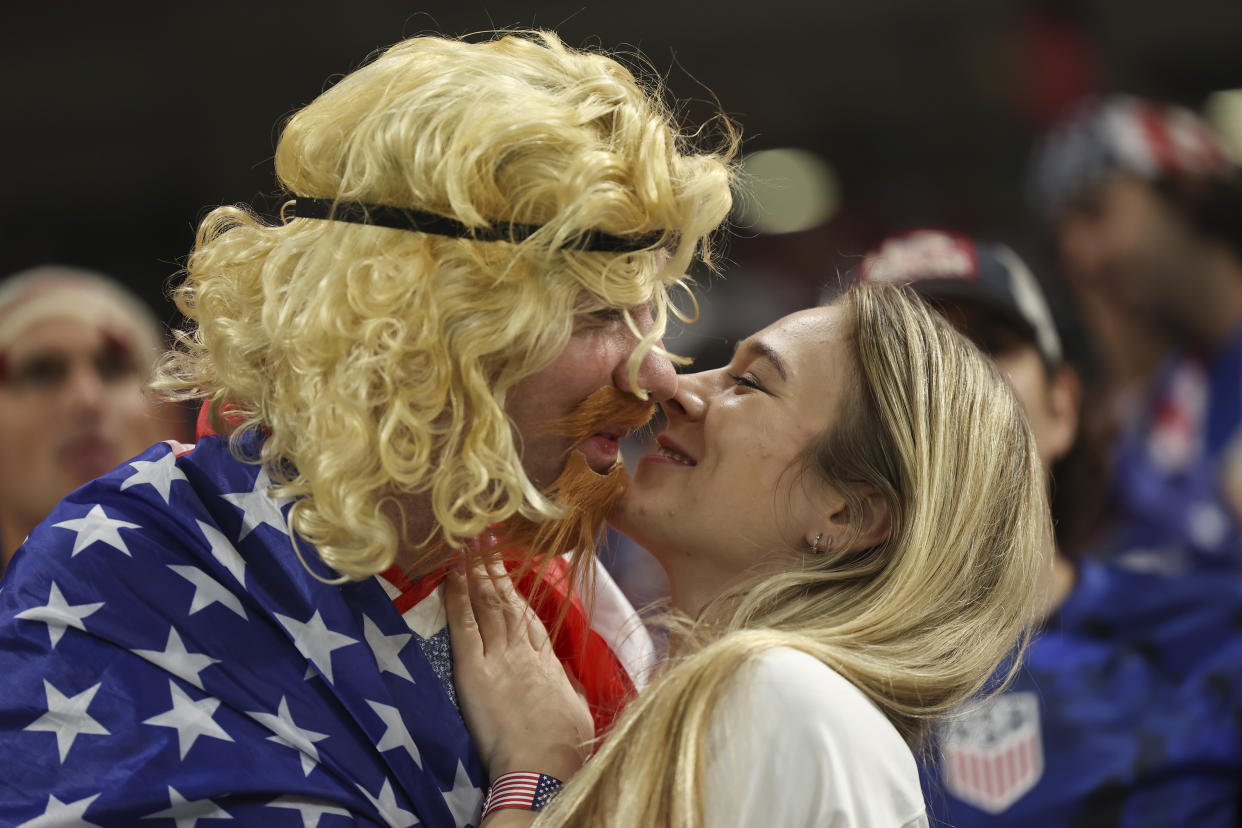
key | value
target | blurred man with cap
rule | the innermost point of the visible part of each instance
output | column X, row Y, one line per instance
column 1128, row 710
column 1147, row 212
column 76, row 350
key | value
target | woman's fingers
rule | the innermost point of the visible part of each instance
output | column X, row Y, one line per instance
column 506, row 665
column 536, row 632
column 579, row 689
column 502, row 616
column 527, row 624
column 513, row 606
column 487, row 604
column 463, row 626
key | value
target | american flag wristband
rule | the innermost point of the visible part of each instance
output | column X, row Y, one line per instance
column 527, row 791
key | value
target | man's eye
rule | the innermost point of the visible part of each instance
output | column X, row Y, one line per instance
column 43, row 372
column 114, row 365
column 746, row 380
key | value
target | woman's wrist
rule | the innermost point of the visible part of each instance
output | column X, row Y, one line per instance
column 560, row 763
column 509, row 819
column 521, row 790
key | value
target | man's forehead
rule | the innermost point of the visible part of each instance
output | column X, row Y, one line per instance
column 631, row 299
column 68, row 309
column 68, row 336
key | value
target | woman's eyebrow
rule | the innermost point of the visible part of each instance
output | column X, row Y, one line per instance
column 761, row 350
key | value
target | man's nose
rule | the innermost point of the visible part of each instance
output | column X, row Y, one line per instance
column 83, row 388
column 656, row 376
column 1081, row 251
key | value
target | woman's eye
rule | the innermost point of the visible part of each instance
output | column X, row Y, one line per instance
column 746, row 380
column 608, row 315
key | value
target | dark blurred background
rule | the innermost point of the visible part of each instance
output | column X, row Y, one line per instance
column 125, row 122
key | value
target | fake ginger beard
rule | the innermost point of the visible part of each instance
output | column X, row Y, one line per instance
column 587, row 497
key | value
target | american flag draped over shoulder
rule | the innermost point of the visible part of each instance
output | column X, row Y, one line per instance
column 167, row 659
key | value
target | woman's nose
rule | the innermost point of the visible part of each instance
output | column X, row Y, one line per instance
column 689, row 400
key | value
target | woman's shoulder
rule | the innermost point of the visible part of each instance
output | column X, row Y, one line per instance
column 791, row 720
column 799, row 677
column 794, row 687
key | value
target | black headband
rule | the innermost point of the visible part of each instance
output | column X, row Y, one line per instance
column 419, row 221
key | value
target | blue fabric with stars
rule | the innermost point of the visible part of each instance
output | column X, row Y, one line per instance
column 1138, row 682
column 1175, row 516
column 167, row 659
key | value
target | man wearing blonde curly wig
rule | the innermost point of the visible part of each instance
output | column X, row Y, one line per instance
column 437, row 346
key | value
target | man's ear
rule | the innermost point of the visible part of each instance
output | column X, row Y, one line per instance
column 1064, row 399
column 873, row 525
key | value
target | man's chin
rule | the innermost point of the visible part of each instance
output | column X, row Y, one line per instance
column 593, row 477
column 586, row 497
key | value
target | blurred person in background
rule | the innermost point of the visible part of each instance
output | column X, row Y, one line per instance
column 1147, row 212
column 1128, row 710
column 76, row 352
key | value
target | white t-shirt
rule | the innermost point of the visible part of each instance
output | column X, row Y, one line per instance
column 795, row 744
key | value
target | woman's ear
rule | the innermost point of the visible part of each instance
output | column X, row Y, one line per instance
column 873, row 525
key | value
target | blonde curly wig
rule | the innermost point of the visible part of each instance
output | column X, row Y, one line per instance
column 378, row 360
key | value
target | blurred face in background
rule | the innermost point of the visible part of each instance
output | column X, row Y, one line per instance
column 1127, row 243
column 1048, row 394
column 72, row 407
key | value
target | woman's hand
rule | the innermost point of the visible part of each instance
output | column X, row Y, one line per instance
column 520, row 707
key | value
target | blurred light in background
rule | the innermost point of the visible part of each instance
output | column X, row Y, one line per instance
column 1224, row 112
column 786, row 191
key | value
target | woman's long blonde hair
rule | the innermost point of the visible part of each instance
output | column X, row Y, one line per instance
column 378, row 360
column 917, row 623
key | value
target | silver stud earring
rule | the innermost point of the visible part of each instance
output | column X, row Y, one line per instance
column 815, row 546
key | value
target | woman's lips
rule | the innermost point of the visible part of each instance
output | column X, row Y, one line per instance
column 669, row 452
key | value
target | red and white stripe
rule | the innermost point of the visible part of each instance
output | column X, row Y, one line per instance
column 523, row 790
column 1166, row 140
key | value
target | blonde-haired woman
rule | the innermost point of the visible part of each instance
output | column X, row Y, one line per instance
column 852, row 512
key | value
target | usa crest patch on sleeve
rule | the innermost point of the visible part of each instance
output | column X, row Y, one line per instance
column 993, row 753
